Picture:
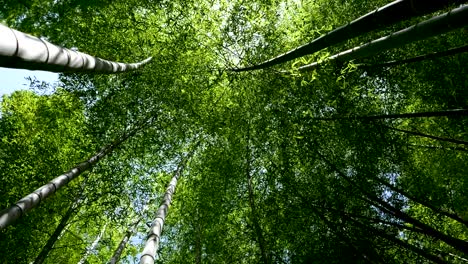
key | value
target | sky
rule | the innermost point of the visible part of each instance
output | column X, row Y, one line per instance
column 14, row 79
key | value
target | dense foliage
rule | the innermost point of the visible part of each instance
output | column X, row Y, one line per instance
column 288, row 168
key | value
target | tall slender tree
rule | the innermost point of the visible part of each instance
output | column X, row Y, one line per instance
column 446, row 113
column 128, row 234
column 429, row 28
column 152, row 242
column 93, row 245
column 456, row 141
column 386, row 207
column 27, row 203
column 253, row 208
column 429, row 56
column 154, row 236
column 20, row 50
column 384, row 16
column 57, row 232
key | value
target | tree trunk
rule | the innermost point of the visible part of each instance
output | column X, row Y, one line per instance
column 340, row 232
column 384, row 206
column 421, row 201
column 452, row 255
column 23, row 51
column 253, row 209
column 154, row 236
column 431, row 27
column 384, row 16
column 438, row 147
column 54, row 237
column 428, row 56
column 369, row 227
column 93, row 245
column 456, row 141
column 401, row 243
column 198, row 240
column 198, row 248
column 27, row 203
column 447, row 113
column 130, row 231
column 152, row 243
column 123, row 243
column 456, row 243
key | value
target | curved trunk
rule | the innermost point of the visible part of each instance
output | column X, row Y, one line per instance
column 431, row 27
column 23, row 51
column 384, row 16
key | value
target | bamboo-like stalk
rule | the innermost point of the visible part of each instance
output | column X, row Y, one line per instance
column 93, row 245
column 30, row 201
column 154, row 236
column 420, row 201
column 152, row 242
column 420, row 251
column 428, row 56
column 123, row 243
column 431, row 27
column 392, row 13
column 451, row 140
column 130, row 231
column 27, row 203
column 253, row 208
column 447, row 113
column 23, row 51
column 388, row 208
column 57, row 232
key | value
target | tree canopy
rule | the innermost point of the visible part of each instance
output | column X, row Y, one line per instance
column 358, row 160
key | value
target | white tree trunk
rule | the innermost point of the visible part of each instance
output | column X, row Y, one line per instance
column 27, row 203
column 93, row 246
column 152, row 242
column 23, row 51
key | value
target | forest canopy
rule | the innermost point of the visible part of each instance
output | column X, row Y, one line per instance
column 252, row 132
